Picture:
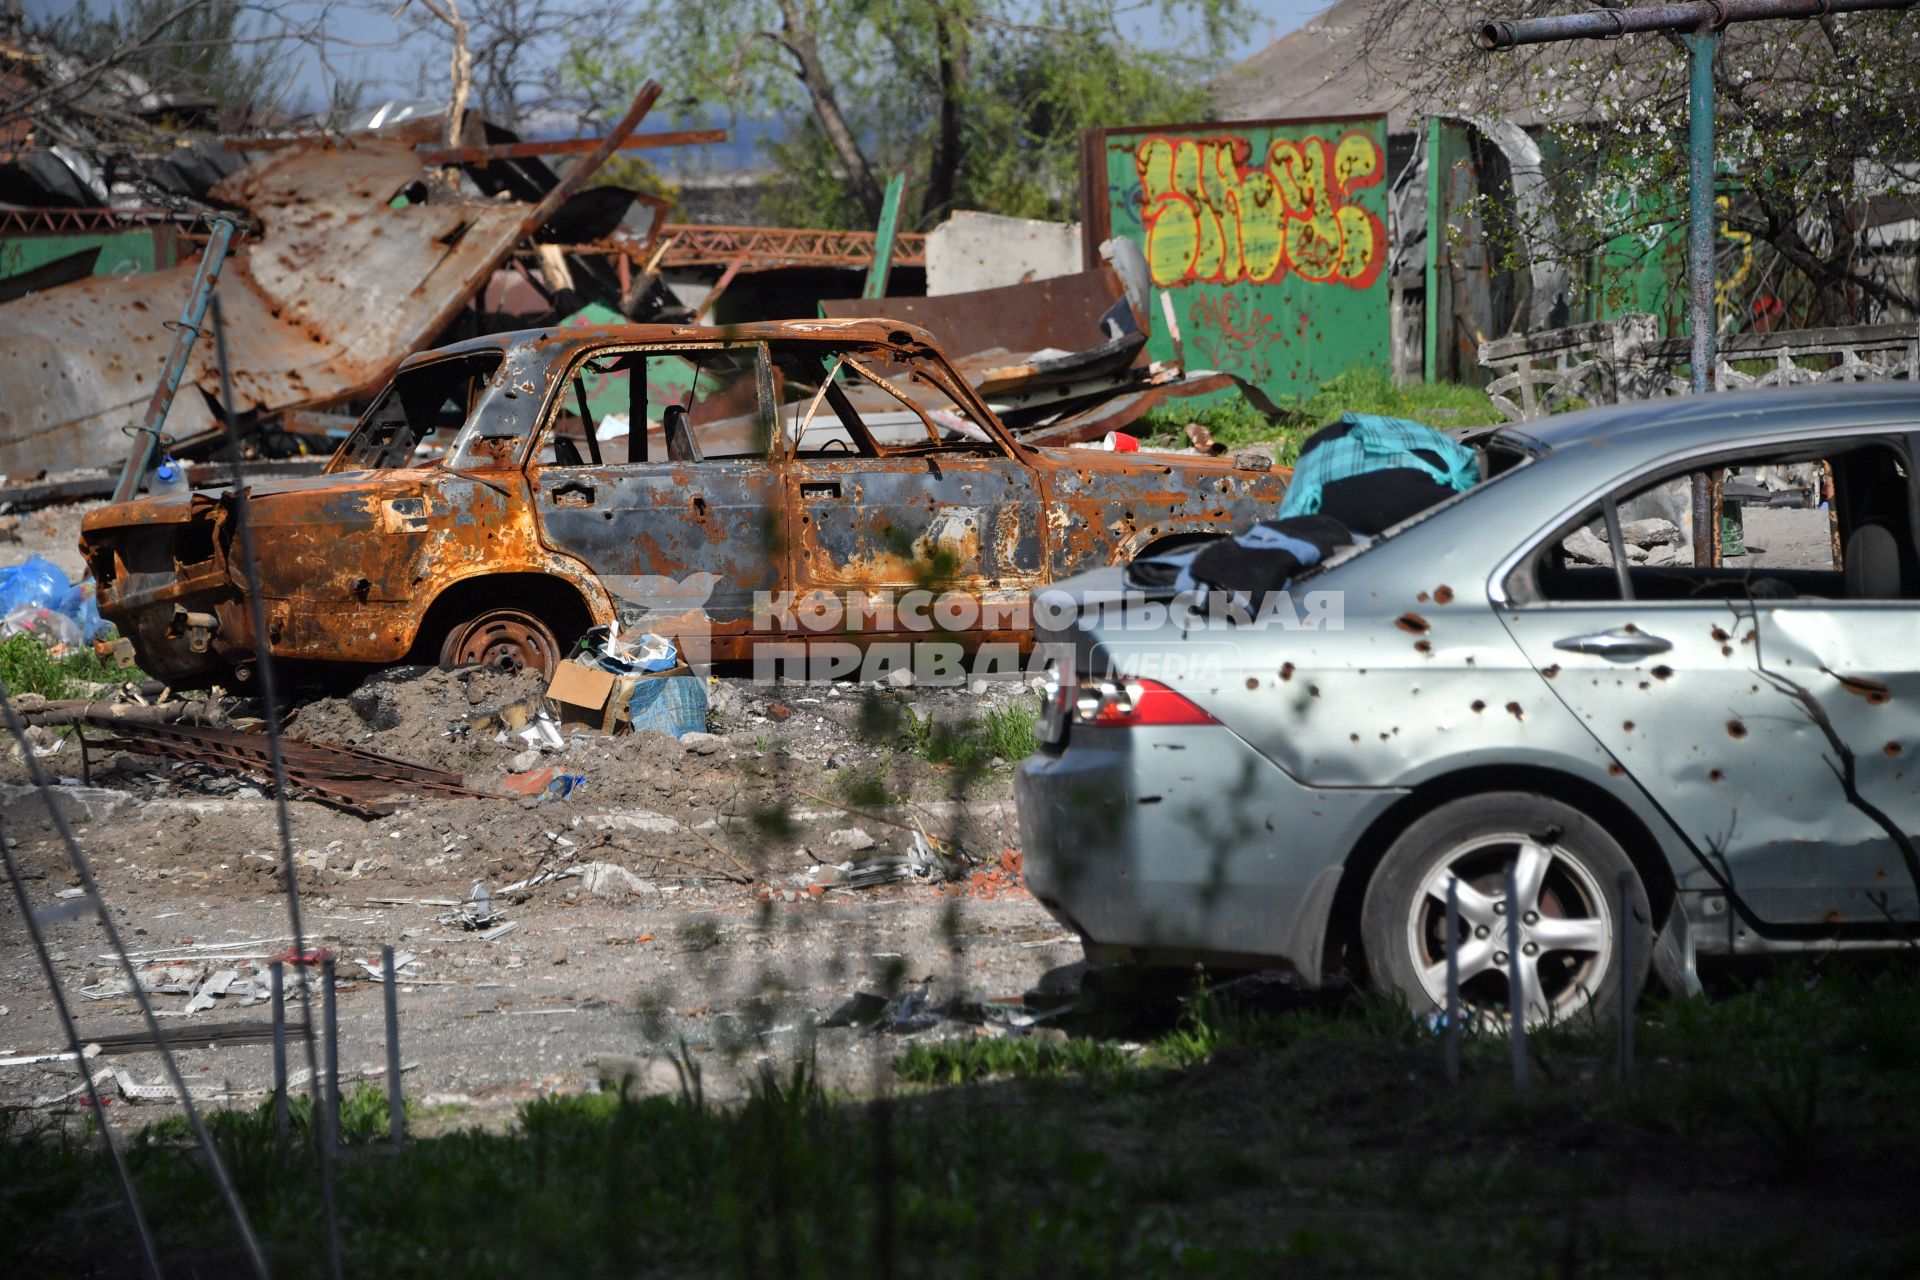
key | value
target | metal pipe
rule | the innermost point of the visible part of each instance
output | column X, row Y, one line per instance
column 277, row 757
column 1516, row 989
column 82, row 867
column 330, row 1121
column 1695, row 15
column 1453, row 978
column 1625, row 883
column 147, row 437
column 396, row 1107
column 280, row 1116
column 1701, row 47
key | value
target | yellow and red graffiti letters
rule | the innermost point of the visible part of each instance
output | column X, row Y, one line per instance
column 1216, row 214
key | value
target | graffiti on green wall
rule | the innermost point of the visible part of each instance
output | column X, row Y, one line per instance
column 1270, row 238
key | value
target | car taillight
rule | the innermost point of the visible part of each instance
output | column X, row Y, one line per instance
column 1127, row 704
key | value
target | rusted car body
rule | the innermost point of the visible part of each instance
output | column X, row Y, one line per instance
column 481, row 513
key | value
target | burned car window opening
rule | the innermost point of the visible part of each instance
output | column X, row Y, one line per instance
column 708, row 409
column 419, row 415
column 823, row 423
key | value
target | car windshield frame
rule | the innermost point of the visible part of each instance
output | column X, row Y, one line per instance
column 359, row 452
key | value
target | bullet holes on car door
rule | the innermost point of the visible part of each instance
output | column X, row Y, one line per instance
column 1713, row 684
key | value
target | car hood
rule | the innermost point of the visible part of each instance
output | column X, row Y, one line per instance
column 179, row 508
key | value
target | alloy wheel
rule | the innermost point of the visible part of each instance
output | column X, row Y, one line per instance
column 1566, row 928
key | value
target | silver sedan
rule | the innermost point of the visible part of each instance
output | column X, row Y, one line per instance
column 1667, row 744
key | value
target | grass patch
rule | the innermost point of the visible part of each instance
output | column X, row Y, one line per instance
column 1236, row 423
column 1242, row 1142
column 1005, row 733
column 950, row 1062
column 27, row 667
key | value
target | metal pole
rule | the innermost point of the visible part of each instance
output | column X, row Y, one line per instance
column 1606, row 24
column 1516, row 992
column 883, row 236
column 147, row 437
column 330, row 1122
column 77, row 859
column 1453, row 978
column 1701, row 46
column 148, row 1254
column 1626, row 973
column 269, row 695
column 280, row 1115
column 396, row 1109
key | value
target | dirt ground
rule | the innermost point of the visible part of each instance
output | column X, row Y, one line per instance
column 694, row 896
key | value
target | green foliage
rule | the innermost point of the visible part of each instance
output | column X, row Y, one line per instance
column 981, row 102
column 27, row 667
column 1232, row 421
column 951, row 1062
column 1004, row 733
column 1812, row 119
column 363, row 1119
column 1369, row 389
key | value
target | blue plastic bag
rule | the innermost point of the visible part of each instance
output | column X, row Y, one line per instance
column 674, row 705
column 35, row 581
column 80, row 605
column 36, row 587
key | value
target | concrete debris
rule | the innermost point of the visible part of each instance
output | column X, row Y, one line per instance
column 1652, row 541
column 605, row 880
column 216, row 985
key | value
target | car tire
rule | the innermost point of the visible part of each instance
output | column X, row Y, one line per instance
column 1573, row 940
column 503, row 639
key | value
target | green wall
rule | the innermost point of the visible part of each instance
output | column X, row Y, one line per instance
column 1270, row 238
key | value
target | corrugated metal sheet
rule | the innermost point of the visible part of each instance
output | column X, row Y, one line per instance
column 336, row 290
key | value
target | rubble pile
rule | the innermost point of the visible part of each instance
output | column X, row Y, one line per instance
column 1652, row 541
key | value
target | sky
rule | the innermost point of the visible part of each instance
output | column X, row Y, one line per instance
column 365, row 41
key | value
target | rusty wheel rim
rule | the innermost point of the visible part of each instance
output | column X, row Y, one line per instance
column 504, row 640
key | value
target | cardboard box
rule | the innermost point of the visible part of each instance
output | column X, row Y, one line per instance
column 587, row 695
column 580, row 694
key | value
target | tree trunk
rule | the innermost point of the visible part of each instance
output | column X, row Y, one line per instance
column 943, row 175
column 797, row 31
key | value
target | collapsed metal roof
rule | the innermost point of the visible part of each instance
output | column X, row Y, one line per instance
column 338, row 286
column 340, row 281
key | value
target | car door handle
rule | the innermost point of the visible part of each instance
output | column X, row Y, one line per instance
column 1620, row 643
column 821, row 489
column 572, row 494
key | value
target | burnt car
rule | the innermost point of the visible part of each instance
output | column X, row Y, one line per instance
column 722, row 486
column 1666, row 745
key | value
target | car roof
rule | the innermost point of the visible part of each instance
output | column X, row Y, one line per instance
column 1679, row 422
column 564, row 339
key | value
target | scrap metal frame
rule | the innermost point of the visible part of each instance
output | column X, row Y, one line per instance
column 699, row 245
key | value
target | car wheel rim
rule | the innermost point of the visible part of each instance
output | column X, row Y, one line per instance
column 1566, row 929
column 505, row 641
